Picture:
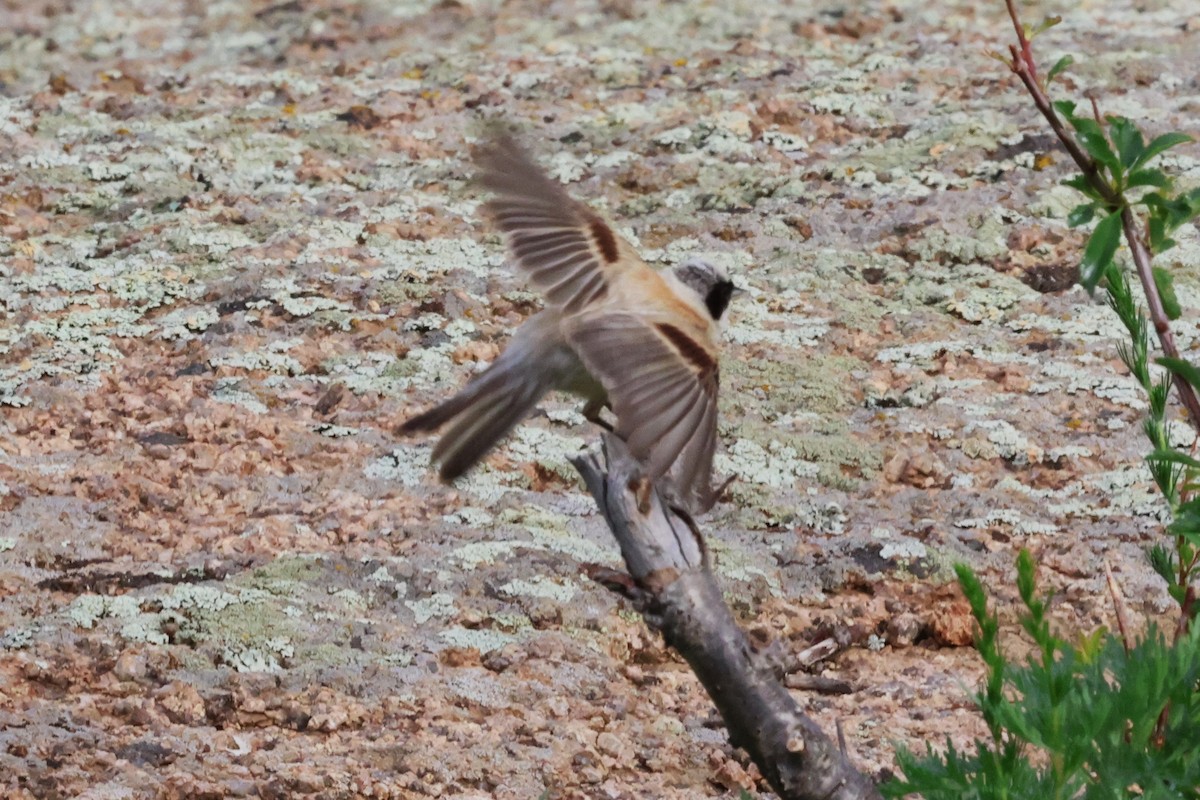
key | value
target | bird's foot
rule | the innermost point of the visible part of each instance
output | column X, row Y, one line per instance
column 591, row 412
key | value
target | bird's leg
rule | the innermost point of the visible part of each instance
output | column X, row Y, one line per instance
column 591, row 412
column 724, row 485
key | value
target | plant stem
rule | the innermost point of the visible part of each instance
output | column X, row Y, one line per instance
column 1158, row 315
column 1118, row 600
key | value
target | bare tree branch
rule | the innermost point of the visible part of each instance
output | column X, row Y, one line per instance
column 671, row 583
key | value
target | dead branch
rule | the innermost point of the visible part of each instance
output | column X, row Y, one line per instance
column 1118, row 600
column 671, row 584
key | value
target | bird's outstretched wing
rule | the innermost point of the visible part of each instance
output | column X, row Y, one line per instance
column 570, row 253
column 662, row 384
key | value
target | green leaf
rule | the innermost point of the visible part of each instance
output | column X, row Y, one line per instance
column 1097, row 146
column 1081, row 184
column 1187, row 522
column 1081, row 214
column 1173, row 457
column 1127, row 138
column 1091, row 136
column 1058, row 67
column 1066, row 108
column 1166, row 290
column 1163, row 562
column 1091, row 645
column 1182, row 368
column 1046, row 24
column 1099, row 251
column 1160, row 144
column 1148, row 177
column 1026, row 576
column 1192, row 199
column 1159, row 241
column 973, row 590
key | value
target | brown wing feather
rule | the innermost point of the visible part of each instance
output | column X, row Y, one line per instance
column 568, row 251
column 663, row 390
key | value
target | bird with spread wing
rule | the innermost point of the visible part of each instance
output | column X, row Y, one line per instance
column 614, row 331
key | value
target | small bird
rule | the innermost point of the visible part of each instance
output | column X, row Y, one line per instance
column 614, row 331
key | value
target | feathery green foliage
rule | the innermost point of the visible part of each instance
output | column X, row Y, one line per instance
column 1076, row 720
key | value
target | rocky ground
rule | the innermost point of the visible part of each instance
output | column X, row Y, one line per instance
column 238, row 244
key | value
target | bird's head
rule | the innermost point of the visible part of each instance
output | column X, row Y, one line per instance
column 710, row 282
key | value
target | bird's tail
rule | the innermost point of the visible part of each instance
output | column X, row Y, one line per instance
column 481, row 414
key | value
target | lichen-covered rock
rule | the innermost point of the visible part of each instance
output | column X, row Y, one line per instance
column 238, row 246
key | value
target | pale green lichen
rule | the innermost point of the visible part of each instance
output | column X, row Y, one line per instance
column 485, row 485
column 1070, row 378
column 1082, row 322
column 469, row 515
column 433, row 259
column 776, row 464
column 145, row 628
column 552, row 531
column 482, row 639
column 436, row 605
column 215, row 242
column 471, row 556
column 541, row 586
column 351, row 600
column 898, row 546
column 754, row 323
column 18, row 637
column 368, row 372
column 334, row 431
column 229, row 390
column 185, row 323
column 272, row 358
column 86, row 610
column 285, row 575
column 1005, row 441
column 1009, row 518
column 383, row 579
column 199, row 598
column 815, row 383
column 1116, row 493
column 738, row 563
column 546, row 448
column 263, row 657
column 406, row 464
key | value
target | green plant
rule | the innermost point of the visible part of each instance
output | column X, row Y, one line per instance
column 1076, row 720
column 1106, row 717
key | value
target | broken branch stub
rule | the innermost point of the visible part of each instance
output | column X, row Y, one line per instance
column 678, row 595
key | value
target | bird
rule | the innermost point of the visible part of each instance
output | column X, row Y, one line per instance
column 614, row 331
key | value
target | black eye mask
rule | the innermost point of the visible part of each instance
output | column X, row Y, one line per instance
column 718, row 298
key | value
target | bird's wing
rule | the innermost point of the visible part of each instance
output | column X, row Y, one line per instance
column 569, row 252
column 662, row 383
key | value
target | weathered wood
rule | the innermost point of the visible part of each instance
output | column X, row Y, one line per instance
column 673, row 587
